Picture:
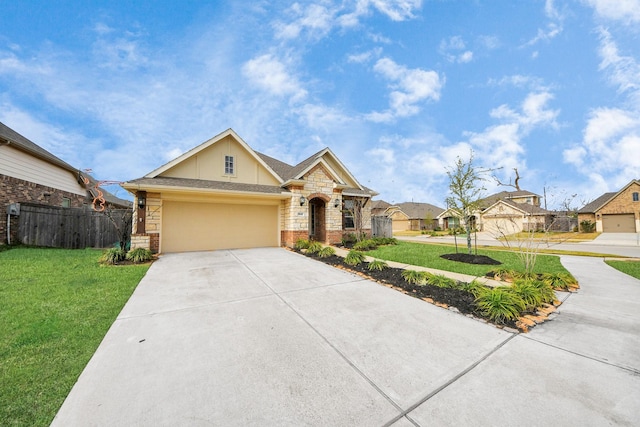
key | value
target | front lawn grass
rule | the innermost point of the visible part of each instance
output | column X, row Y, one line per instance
column 56, row 305
column 427, row 255
column 632, row 268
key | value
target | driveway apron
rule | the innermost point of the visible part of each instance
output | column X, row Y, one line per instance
column 270, row 337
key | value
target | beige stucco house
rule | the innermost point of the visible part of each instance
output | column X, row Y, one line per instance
column 413, row 216
column 503, row 213
column 616, row 212
column 222, row 194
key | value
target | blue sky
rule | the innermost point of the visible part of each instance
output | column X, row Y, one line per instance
column 396, row 88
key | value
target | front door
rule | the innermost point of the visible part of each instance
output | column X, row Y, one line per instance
column 317, row 230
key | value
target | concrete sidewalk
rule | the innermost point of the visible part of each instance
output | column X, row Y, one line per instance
column 270, row 337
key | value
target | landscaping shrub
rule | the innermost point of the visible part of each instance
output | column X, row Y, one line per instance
column 378, row 265
column 530, row 294
column 587, row 226
column 112, row 256
column 354, row 258
column 326, row 252
column 475, row 287
column 301, row 244
column 559, row 281
column 365, row 245
column 314, row 247
column 383, row 241
column 500, row 304
column 415, row 277
column 441, row 281
column 139, row 255
column 546, row 291
column 503, row 274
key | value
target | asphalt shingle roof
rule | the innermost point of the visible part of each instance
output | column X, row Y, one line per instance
column 415, row 210
column 206, row 184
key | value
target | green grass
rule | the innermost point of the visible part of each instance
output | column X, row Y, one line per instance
column 56, row 305
column 632, row 268
column 426, row 255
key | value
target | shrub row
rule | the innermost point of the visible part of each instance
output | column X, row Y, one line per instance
column 115, row 255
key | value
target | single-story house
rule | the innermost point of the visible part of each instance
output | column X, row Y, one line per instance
column 413, row 216
column 616, row 212
column 506, row 212
column 31, row 174
column 378, row 207
column 222, row 194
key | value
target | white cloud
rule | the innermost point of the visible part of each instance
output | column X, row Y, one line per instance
column 502, row 145
column 626, row 11
column 623, row 71
column 409, row 87
column 454, row 50
column 362, row 57
column 317, row 20
column 271, row 74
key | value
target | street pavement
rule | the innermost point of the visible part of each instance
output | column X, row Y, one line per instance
column 270, row 337
column 613, row 244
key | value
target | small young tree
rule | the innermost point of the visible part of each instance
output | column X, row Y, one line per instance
column 354, row 206
column 466, row 188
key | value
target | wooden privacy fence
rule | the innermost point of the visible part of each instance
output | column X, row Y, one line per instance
column 71, row 228
column 381, row 226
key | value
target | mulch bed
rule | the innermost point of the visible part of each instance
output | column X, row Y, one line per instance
column 471, row 259
column 452, row 299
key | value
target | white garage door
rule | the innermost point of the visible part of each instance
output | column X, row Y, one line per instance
column 619, row 223
column 188, row 226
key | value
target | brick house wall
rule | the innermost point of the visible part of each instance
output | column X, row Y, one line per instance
column 14, row 190
column 150, row 238
column 622, row 203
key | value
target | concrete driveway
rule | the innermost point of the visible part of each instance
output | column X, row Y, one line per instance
column 270, row 337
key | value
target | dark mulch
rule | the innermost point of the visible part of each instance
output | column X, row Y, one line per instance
column 471, row 259
column 463, row 301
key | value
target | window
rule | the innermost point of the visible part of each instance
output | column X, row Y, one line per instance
column 229, row 166
column 66, row 202
column 347, row 214
column 635, row 197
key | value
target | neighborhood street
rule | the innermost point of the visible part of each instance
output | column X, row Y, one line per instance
column 270, row 337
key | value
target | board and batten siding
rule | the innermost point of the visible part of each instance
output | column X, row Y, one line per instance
column 18, row 164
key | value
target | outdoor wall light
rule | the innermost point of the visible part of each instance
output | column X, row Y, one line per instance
column 141, row 202
column 336, row 203
column 302, row 200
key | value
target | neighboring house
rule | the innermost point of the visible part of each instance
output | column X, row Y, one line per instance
column 617, row 212
column 31, row 174
column 413, row 216
column 378, row 207
column 222, row 194
column 506, row 212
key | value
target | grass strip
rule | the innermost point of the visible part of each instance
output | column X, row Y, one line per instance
column 56, row 306
column 632, row 268
column 427, row 255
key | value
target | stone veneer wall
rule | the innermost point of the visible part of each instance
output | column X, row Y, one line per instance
column 14, row 190
column 151, row 238
column 295, row 222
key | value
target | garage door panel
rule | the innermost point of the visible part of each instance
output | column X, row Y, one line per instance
column 188, row 226
column 618, row 223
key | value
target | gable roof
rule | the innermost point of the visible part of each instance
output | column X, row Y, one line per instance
column 208, row 143
column 506, row 195
column 18, row 141
column 283, row 172
column 522, row 207
column 601, row 201
column 415, row 210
